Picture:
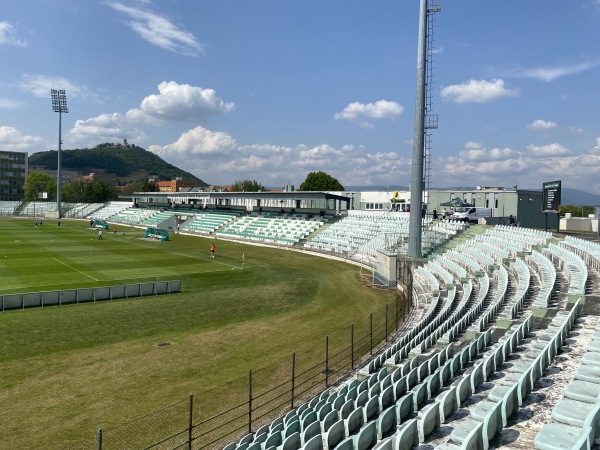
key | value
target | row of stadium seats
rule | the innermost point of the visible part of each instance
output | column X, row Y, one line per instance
column 9, row 207
column 577, row 415
column 271, row 228
column 368, row 422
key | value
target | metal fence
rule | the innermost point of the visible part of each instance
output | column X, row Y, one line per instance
column 214, row 418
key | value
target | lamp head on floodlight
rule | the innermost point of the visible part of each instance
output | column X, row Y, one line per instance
column 59, row 100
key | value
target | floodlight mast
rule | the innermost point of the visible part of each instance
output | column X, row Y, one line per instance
column 59, row 105
column 416, row 186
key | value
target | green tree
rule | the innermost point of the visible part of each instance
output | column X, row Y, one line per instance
column 150, row 186
column 321, row 181
column 36, row 183
column 135, row 186
column 87, row 191
column 247, row 186
column 576, row 211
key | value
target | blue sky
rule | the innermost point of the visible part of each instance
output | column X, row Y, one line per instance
column 271, row 90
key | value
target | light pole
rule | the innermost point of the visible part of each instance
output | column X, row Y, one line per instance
column 59, row 105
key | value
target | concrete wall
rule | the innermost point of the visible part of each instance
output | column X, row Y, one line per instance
column 587, row 224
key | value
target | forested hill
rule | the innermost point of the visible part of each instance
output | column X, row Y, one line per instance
column 128, row 163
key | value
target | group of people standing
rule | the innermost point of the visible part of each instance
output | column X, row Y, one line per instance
column 445, row 215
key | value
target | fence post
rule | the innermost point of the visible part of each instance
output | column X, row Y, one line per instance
column 191, row 421
column 386, row 322
column 327, row 361
column 397, row 310
column 352, row 344
column 250, row 402
column 100, row 438
column 293, row 376
column 371, row 331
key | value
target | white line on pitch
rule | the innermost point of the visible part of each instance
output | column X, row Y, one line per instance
column 77, row 270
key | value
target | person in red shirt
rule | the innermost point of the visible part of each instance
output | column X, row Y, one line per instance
column 212, row 250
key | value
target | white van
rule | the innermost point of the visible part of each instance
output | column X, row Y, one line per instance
column 471, row 214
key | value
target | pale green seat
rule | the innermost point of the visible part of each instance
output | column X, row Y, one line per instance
column 492, row 424
column 354, row 422
column 582, row 391
column 428, row 420
column 334, row 435
column 473, row 441
column 366, row 437
column 571, row 412
column 594, row 345
column 386, row 444
column 346, row 444
column 591, row 358
column 588, row 373
column 315, row 443
column 407, row 436
column 386, row 423
column 314, row 429
column 292, row 442
column 273, row 440
column 404, row 407
column 555, row 436
column 448, row 403
column 331, row 418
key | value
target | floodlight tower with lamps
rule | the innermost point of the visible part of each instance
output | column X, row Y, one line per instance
column 59, row 105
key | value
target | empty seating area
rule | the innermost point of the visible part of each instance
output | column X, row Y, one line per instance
column 82, row 210
column 110, row 210
column 572, row 265
column 133, row 216
column 37, row 209
column 492, row 315
column 575, row 418
column 468, row 365
column 208, row 221
column 360, row 234
column 157, row 218
column 8, row 208
column 547, row 274
column 271, row 228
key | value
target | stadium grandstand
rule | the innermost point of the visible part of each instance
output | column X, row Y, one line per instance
column 500, row 349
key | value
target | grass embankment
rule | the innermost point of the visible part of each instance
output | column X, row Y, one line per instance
column 67, row 369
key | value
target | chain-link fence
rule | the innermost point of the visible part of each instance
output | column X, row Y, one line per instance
column 212, row 419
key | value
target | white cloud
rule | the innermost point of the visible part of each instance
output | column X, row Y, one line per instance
column 197, row 141
column 180, row 102
column 102, row 128
column 216, row 157
column 576, row 130
column 160, row 31
column 477, row 91
column 382, row 109
column 12, row 139
column 501, row 167
column 551, row 73
column 548, row 150
column 475, row 151
column 8, row 35
column 7, row 103
column 541, row 125
column 40, row 86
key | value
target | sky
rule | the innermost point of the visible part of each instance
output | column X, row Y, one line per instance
column 270, row 90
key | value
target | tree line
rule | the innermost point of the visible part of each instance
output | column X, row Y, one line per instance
column 39, row 185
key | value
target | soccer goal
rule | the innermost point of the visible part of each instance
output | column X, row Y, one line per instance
column 156, row 233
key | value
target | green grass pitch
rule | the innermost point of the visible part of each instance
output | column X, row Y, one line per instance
column 67, row 369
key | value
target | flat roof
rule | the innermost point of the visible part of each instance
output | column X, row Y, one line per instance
column 294, row 195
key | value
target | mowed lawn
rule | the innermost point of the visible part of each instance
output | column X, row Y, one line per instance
column 68, row 369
